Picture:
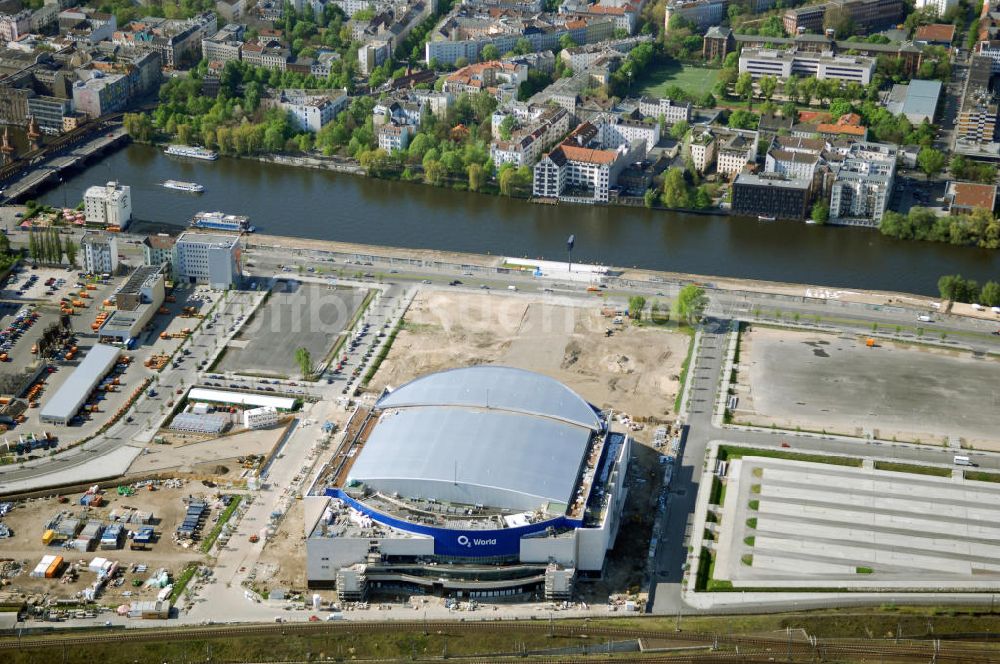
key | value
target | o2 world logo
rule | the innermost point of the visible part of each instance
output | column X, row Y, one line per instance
column 475, row 541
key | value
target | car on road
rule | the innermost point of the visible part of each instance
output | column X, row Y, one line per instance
column 924, row 318
column 784, row 444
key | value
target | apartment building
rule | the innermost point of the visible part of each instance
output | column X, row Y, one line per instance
column 226, row 45
column 311, row 110
column 209, row 258
column 161, row 249
column 580, row 170
column 794, row 158
column 770, row 195
column 617, row 130
column 701, row 13
column 806, row 64
column 99, row 252
column 501, row 79
column 737, row 148
column 108, row 205
column 13, row 26
column 977, row 117
column 940, row 7
column 394, row 136
column 526, row 145
column 667, row 110
column 866, row 16
column 702, row 147
column 717, row 43
column 372, row 55
column 863, row 184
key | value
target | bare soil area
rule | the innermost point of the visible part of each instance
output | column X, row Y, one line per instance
column 27, row 521
column 635, row 370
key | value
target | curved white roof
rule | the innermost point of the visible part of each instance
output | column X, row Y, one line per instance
column 496, row 388
column 486, row 435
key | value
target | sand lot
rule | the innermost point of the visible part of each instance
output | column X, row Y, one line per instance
column 27, row 521
column 826, row 382
column 636, row 370
column 212, row 456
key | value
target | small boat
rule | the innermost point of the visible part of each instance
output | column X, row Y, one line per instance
column 193, row 152
column 761, row 217
column 811, row 222
column 191, row 187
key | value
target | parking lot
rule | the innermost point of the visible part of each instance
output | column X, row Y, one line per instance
column 917, row 192
column 296, row 315
column 825, row 382
column 791, row 524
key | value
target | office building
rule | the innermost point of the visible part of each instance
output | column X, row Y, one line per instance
column 136, row 302
column 977, row 118
column 209, row 258
column 770, row 195
column 806, row 64
column 581, row 169
column 159, row 249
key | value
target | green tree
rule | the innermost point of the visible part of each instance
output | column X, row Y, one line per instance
column 990, row 294
column 507, row 127
column 477, row 176
column 931, row 161
column 690, row 303
column 675, row 189
column 956, row 288
column 71, row 249
column 768, row 84
column 636, row 304
column 744, row 86
column 304, row 359
column 566, row 41
column 821, row 212
column 489, row 53
column 679, row 130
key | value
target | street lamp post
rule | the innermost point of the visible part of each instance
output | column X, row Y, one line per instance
column 569, row 250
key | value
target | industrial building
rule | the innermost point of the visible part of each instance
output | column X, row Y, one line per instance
column 481, row 481
column 241, row 398
column 64, row 404
column 917, row 100
column 110, row 205
column 136, row 303
column 209, row 258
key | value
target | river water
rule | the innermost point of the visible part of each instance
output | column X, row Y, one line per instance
column 284, row 200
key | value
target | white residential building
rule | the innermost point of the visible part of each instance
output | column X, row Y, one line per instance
column 99, row 252
column 616, row 130
column 209, row 258
column 310, row 110
column 670, row 111
column 793, row 157
column 526, row 145
column 393, row 136
column 580, row 170
column 736, row 151
column 806, row 64
column 260, row 418
column 110, row 205
column 940, row 6
column 702, row 149
column 863, row 185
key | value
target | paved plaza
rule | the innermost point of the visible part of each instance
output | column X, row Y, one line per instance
column 835, row 383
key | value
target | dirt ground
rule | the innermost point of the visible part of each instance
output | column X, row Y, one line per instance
column 897, row 391
column 27, row 521
column 282, row 564
column 635, row 371
column 192, row 453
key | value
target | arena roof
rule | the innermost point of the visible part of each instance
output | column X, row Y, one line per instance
column 491, row 436
column 496, row 388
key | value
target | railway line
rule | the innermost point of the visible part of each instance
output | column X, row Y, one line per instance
column 723, row 647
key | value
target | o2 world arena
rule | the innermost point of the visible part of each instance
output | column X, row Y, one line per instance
column 485, row 481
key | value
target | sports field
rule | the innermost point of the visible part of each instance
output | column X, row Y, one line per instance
column 693, row 80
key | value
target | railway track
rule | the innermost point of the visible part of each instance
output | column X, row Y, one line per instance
column 724, row 648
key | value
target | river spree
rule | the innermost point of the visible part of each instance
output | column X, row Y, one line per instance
column 284, row 200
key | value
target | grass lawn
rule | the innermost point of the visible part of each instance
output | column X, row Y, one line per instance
column 693, row 80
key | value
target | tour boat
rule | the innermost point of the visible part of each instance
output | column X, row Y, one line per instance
column 220, row 221
column 191, row 187
column 192, row 151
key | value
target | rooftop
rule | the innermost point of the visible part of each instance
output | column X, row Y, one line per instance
column 226, row 240
column 64, row 403
column 972, row 195
column 771, row 180
column 936, row 32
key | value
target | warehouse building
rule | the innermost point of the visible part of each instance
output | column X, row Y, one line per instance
column 241, row 399
column 136, row 303
column 67, row 400
column 484, row 481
